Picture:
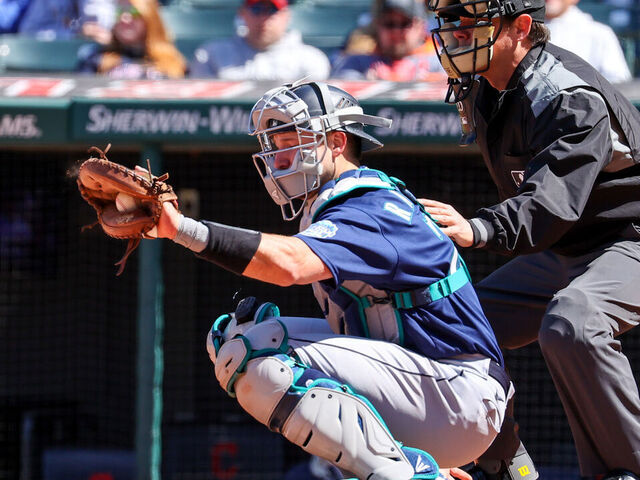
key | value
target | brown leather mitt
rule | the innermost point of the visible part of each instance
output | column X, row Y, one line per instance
column 128, row 203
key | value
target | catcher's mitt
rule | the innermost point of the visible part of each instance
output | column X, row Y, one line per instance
column 101, row 180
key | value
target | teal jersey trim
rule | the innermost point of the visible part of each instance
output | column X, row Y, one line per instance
column 390, row 185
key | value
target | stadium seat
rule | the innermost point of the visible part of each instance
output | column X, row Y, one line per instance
column 187, row 45
column 26, row 53
column 189, row 22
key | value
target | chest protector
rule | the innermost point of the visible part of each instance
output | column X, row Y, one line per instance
column 357, row 308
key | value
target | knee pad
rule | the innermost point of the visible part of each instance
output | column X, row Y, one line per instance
column 231, row 325
column 264, row 340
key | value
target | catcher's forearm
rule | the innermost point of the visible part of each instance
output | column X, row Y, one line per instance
column 229, row 247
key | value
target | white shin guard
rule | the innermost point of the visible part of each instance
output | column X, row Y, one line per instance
column 343, row 429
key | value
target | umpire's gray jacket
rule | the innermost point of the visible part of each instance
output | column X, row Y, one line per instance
column 563, row 147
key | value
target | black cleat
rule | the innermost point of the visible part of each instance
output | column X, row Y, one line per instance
column 520, row 467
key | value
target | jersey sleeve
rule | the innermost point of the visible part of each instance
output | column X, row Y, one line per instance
column 351, row 244
column 573, row 143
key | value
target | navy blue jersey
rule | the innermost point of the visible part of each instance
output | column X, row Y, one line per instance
column 380, row 237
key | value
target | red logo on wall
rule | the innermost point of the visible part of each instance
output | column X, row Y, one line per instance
column 223, row 456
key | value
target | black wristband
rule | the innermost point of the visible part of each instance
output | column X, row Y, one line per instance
column 231, row 248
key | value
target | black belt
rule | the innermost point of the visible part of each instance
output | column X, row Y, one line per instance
column 497, row 372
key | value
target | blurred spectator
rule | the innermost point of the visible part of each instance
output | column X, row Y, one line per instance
column 362, row 39
column 56, row 19
column 138, row 46
column 267, row 52
column 11, row 14
column 403, row 51
column 595, row 42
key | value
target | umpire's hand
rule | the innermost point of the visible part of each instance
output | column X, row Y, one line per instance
column 451, row 222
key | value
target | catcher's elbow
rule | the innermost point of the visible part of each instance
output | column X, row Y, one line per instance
column 287, row 279
column 290, row 275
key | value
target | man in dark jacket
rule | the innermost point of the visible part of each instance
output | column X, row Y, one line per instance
column 563, row 147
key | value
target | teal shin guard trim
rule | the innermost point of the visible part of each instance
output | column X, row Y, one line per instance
column 230, row 391
column 423, row 464
column 268, row 309
column 217, row 330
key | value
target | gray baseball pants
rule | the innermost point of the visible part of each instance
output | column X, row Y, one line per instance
column 576, row 307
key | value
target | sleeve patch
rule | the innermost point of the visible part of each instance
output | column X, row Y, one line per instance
column 321, row 229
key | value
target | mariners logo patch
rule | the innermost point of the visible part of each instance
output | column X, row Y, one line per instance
column 321, row 229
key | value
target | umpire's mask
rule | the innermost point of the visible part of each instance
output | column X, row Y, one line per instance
column 311, row 110
column 466, row 33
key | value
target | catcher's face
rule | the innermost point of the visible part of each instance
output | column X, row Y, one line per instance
column 288, row 144
column 291, row 164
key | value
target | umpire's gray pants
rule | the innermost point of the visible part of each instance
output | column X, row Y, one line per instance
column 575, row 307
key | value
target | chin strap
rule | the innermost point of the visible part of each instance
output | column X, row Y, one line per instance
column 461, row 91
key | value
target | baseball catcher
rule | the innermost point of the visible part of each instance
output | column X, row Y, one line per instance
column 404, row 361
column 128, row 202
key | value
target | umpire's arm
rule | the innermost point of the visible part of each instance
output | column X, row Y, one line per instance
column 571, row 144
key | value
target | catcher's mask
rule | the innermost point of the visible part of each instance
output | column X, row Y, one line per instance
column 311, row 110
column 466, row 33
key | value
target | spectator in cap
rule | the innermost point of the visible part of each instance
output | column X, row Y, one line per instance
column 266, row 51
column 403, row 52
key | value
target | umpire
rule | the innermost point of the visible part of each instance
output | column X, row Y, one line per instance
column 562, row 146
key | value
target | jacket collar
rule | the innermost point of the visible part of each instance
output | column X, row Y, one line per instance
column 529, row 59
